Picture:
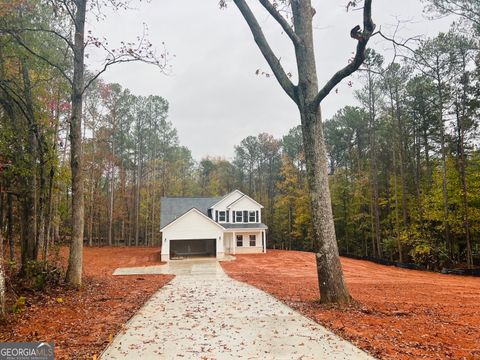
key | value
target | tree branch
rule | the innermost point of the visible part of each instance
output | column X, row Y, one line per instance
column 41, row 57
column 281, row 20
column 16, row 100
column 266, row 50
column 456, row 8
column 362, row 37
column 48, row 31
column 126, row 54
column 107, row 65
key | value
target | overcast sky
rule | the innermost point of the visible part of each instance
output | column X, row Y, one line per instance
column 215, row 97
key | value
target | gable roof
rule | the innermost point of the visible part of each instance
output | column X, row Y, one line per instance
column 226, row 196
column 188, row 212
column 172, row 208
column 243, row 197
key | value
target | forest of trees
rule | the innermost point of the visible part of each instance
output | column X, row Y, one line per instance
column 405, row 163
column 404, row 160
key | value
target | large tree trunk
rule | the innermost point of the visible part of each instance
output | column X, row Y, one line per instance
column 443, row 151
column 93, row 184
column 461, row 117
column 91, row 210
column 10, row 239
column 466, row 217
column 29, row 232
column 346, row 211
column 395, row 181
column 75, row 260
column 2, row 281
column 330, row 275
column 373, row 167
column 401, row 158
column 110, row 206
column 137, row 198
column 51, row 179
column 426, row 150
column 48, row 225
column 417, row 172
column 463, row 179
column 40, row 244
column 29, row 201
column 397, row 216
column 329, row 269
column 38, row 145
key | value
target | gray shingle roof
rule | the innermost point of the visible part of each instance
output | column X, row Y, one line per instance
column 245, row 226
column 173, row 207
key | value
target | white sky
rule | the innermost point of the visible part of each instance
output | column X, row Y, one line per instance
column 215, row 97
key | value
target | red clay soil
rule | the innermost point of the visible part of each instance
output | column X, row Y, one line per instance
column 82, row 323
column 398, row 313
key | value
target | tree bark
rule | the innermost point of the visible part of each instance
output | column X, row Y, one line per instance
column 110, row 207
column 38, row 143
column 10, row 239
column 2, row 281
column 443, row 151
column 48, row 225
column 75, row 260
column 417, row 171
column 92, row 193
column 466, row 217
column 393, row 115
column 329, row 269
column 29, row 201
column 137, row 196
column 373, row 167
column 461, row 118
column 401, row 158
column 397, row 217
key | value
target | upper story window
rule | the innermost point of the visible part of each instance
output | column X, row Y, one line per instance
column 238, row 216
column 222, row 216
column 245, row 216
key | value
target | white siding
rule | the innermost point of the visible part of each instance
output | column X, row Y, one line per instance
column 246, row 204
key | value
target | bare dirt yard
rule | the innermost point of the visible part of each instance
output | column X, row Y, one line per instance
column 82, row 323
column 398, row 313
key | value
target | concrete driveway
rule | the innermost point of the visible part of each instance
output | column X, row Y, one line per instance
column 204, row 314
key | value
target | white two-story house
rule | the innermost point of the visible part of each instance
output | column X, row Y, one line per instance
column 193, row 226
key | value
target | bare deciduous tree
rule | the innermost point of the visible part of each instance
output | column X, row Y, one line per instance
column 308, row 96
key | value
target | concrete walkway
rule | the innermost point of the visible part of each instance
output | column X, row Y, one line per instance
column 204, row 314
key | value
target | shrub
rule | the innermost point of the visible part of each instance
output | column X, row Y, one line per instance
column 430, row 256
column 19, row 305
column 39, row 274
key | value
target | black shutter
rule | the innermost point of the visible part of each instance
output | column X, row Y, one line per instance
column 228, row 216
column 245, row 216
column 256, row 216
column 216, row 215
column 210, row 213
column 233, row 215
